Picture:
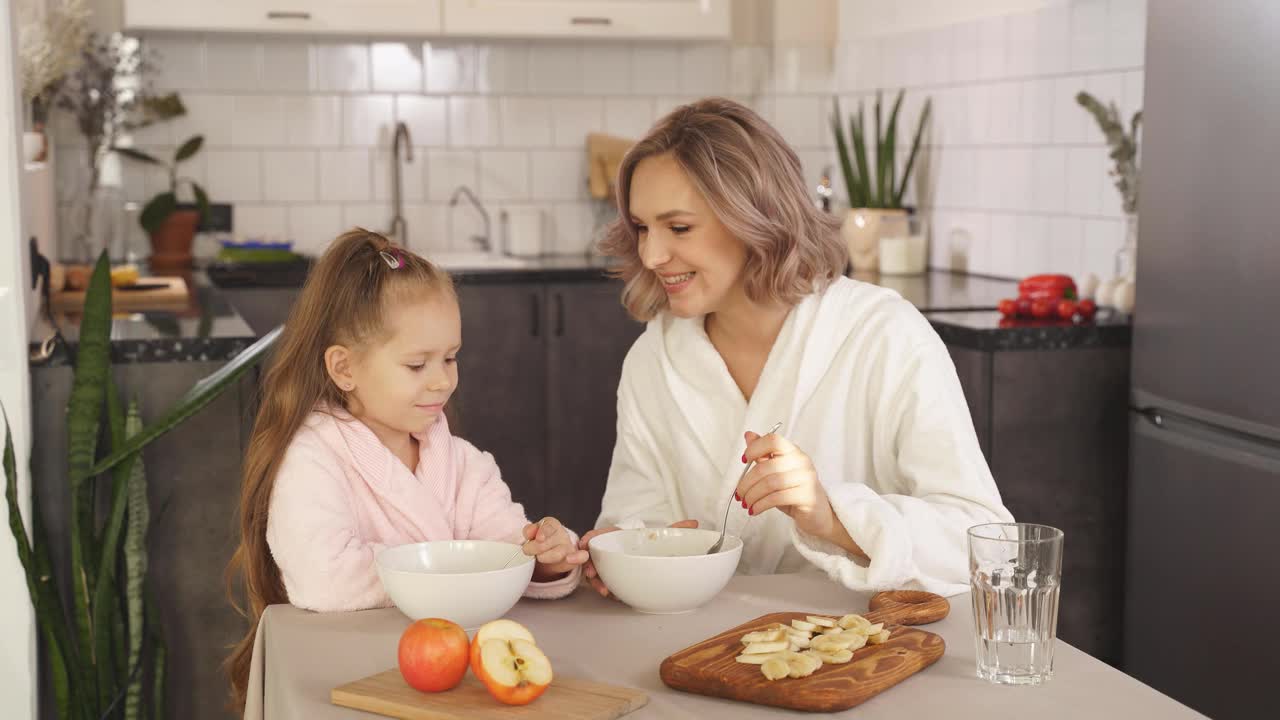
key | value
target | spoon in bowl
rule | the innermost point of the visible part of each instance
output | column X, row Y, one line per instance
column 725, row 523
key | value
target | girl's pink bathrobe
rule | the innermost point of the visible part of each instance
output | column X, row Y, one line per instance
column 340, row 496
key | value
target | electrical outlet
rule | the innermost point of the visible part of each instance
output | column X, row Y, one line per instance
column 218, row 219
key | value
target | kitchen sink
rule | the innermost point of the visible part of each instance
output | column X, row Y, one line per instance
column 475, row 261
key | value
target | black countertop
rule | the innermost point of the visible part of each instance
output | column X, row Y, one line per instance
column 209, row 329
column 960, row 307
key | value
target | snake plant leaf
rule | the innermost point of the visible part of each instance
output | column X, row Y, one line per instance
column 135, row 564
column 911, row 158
column 200, row 395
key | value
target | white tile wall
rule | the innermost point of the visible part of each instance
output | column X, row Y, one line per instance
column 298, row 130
column 1019, row 169
column 396, row 66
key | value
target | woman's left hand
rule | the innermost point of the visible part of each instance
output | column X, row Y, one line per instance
column 553, row 548
column 784, row 478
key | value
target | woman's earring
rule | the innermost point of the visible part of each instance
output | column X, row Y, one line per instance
column 348, row 387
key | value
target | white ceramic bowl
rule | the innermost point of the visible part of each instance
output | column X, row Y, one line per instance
column 458, row 580
column 664, row 570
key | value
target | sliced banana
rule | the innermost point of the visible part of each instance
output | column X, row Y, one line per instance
column 802, row 665
column 802, row 625
column 881, row 637
column 764, row 648
column 832, row 631
column 838, row 657
column 832, row 643
column 853, row 622
column 756, row 659
column 822, row 621
column 799, row 643
column 856, row 640
column 874, row 629
column 775, row 668
column 763, row 636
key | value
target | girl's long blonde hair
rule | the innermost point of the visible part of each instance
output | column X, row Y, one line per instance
column 342, row 302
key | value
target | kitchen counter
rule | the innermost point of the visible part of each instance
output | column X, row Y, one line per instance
column 299, row 656
column 209, row 329
column 224, row 317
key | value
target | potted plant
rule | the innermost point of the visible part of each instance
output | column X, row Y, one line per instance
column 1124, row 151
column 50, row 40
column 102, row 645
column 875, row 194
column 171, row 225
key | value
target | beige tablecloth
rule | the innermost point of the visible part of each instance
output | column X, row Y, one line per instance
column 299, row 656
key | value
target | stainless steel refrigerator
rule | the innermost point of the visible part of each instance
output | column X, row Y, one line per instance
column 1203, row 506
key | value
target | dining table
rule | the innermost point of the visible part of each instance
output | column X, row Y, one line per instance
column 300, row 656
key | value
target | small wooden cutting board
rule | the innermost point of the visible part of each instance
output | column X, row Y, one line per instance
column 169, row 293
column 709, row 668
column 571, row 699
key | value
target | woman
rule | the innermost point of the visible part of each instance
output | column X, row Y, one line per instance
column 876, row 473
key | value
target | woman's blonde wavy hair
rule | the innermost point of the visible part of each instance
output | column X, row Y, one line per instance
column 753, row 182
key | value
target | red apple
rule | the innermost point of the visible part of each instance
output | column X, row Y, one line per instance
column 433, row 655
column 509, row 663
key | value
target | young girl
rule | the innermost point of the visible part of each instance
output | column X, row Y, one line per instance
column 351, row 452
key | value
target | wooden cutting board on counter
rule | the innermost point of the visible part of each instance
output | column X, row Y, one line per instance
column 149, row 293
column 567, row 699
column 709, row 668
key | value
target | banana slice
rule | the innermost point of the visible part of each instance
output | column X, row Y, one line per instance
column 874, row 629
column 799, row 643
column 881, row 637
column 763, row 636
column 802, row 665
column 839, row 657
column 764, row 648
column 802, row 625
column 775, row 668
column 832, row 631
column 854, row 622
column 822, row 621
column 757, row 659
column 832, row 643
column 856, row 640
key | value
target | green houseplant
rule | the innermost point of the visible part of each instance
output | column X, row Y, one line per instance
column 104, row 652
column 1123, row 146
column 171, row 225
column 875, row 192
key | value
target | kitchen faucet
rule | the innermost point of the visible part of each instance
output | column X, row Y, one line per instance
column 484, row 241
column 399, row 228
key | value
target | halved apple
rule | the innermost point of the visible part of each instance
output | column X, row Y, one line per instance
column 507, row 660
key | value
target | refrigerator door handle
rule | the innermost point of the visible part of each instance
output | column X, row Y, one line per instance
column 1151, row 415
column 1197, row 437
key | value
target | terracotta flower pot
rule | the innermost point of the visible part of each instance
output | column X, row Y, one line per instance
column 861, row 232
column 171, row 242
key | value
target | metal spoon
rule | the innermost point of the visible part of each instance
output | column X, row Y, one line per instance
column 520, row 549
column 724, row 524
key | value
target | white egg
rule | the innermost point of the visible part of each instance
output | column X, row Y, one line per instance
column 1123, row 297
column 1106, row 292
column 1088, row 286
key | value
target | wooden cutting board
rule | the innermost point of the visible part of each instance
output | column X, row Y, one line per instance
column 709, row 668
column 173, row 294
column 568, row 698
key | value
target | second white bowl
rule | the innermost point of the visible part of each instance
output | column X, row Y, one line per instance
column 664, row 570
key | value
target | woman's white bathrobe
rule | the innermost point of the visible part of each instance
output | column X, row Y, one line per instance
column 865, row 387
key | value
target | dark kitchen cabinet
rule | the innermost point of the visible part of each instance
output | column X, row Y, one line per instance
column 590, row 336
column 539, row 374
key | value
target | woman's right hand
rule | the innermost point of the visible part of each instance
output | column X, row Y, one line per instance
column 589, row 570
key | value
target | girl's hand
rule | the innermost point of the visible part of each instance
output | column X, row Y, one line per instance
column 553, row 547
column 784, row 478
column 589, row 571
